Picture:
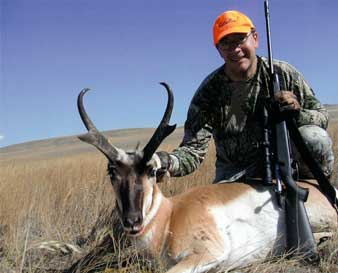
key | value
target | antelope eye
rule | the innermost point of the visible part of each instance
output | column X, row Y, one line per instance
column 152, row 172
column 112, row 172
column 115, row 177
column 112, row 175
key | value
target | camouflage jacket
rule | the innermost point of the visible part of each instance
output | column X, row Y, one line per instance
column 227, row 111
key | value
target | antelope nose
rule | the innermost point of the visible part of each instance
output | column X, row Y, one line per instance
column 133, row 219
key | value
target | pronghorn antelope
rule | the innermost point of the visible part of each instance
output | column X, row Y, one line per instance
column 221, row 225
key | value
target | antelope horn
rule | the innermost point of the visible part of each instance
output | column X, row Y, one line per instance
column 93, row 136
column 163, row 130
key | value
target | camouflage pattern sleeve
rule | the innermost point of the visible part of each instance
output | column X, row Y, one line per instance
column 312, row 111
column 197, row 134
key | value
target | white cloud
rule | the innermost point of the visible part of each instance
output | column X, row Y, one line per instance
column 2, row 137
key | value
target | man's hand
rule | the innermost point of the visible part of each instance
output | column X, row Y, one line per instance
column 287, row 102
column 164, row 160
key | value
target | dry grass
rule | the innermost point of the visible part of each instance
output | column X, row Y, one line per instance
column 49, row 200
column 63, row 199
column 333, row 131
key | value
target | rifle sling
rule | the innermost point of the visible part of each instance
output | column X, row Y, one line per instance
column 324, row 184
column 326, row 187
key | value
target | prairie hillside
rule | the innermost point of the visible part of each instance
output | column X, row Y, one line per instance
column 71, row 145
column 58, row 190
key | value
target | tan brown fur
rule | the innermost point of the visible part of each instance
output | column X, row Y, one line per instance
column 184, row 222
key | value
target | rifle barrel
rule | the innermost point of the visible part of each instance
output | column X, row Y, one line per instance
column 268, row 33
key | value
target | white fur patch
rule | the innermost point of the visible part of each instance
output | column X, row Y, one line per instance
column 156, row 203
column 248, row 226
column 148, row 199
column 157, row 160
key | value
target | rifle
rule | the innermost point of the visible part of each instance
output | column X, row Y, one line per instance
column 299, row 236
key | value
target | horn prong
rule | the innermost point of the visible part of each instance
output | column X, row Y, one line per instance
column 163, row 130
column 93, row 136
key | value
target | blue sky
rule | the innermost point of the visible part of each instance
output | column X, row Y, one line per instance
column 121, row 49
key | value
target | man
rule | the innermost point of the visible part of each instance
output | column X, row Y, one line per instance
column 228, row 103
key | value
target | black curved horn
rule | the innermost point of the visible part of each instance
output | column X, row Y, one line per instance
column 93, row 136
column 84, row 116
column 163, row 130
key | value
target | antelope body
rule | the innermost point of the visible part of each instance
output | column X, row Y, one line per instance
column 221, row 225
column 228, row 225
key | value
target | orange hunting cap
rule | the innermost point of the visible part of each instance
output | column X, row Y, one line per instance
column 231, row 21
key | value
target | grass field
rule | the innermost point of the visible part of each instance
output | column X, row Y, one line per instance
column 62, row 199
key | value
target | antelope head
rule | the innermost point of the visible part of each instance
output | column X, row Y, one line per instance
column 132, row 174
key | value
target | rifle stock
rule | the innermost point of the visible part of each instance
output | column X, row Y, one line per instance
column 299, row 236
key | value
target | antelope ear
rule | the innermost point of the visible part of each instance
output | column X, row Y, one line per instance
column 157, row 161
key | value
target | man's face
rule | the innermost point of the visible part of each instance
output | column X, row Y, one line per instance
column 239, row 51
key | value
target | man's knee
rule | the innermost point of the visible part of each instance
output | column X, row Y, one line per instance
column 319, row 144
